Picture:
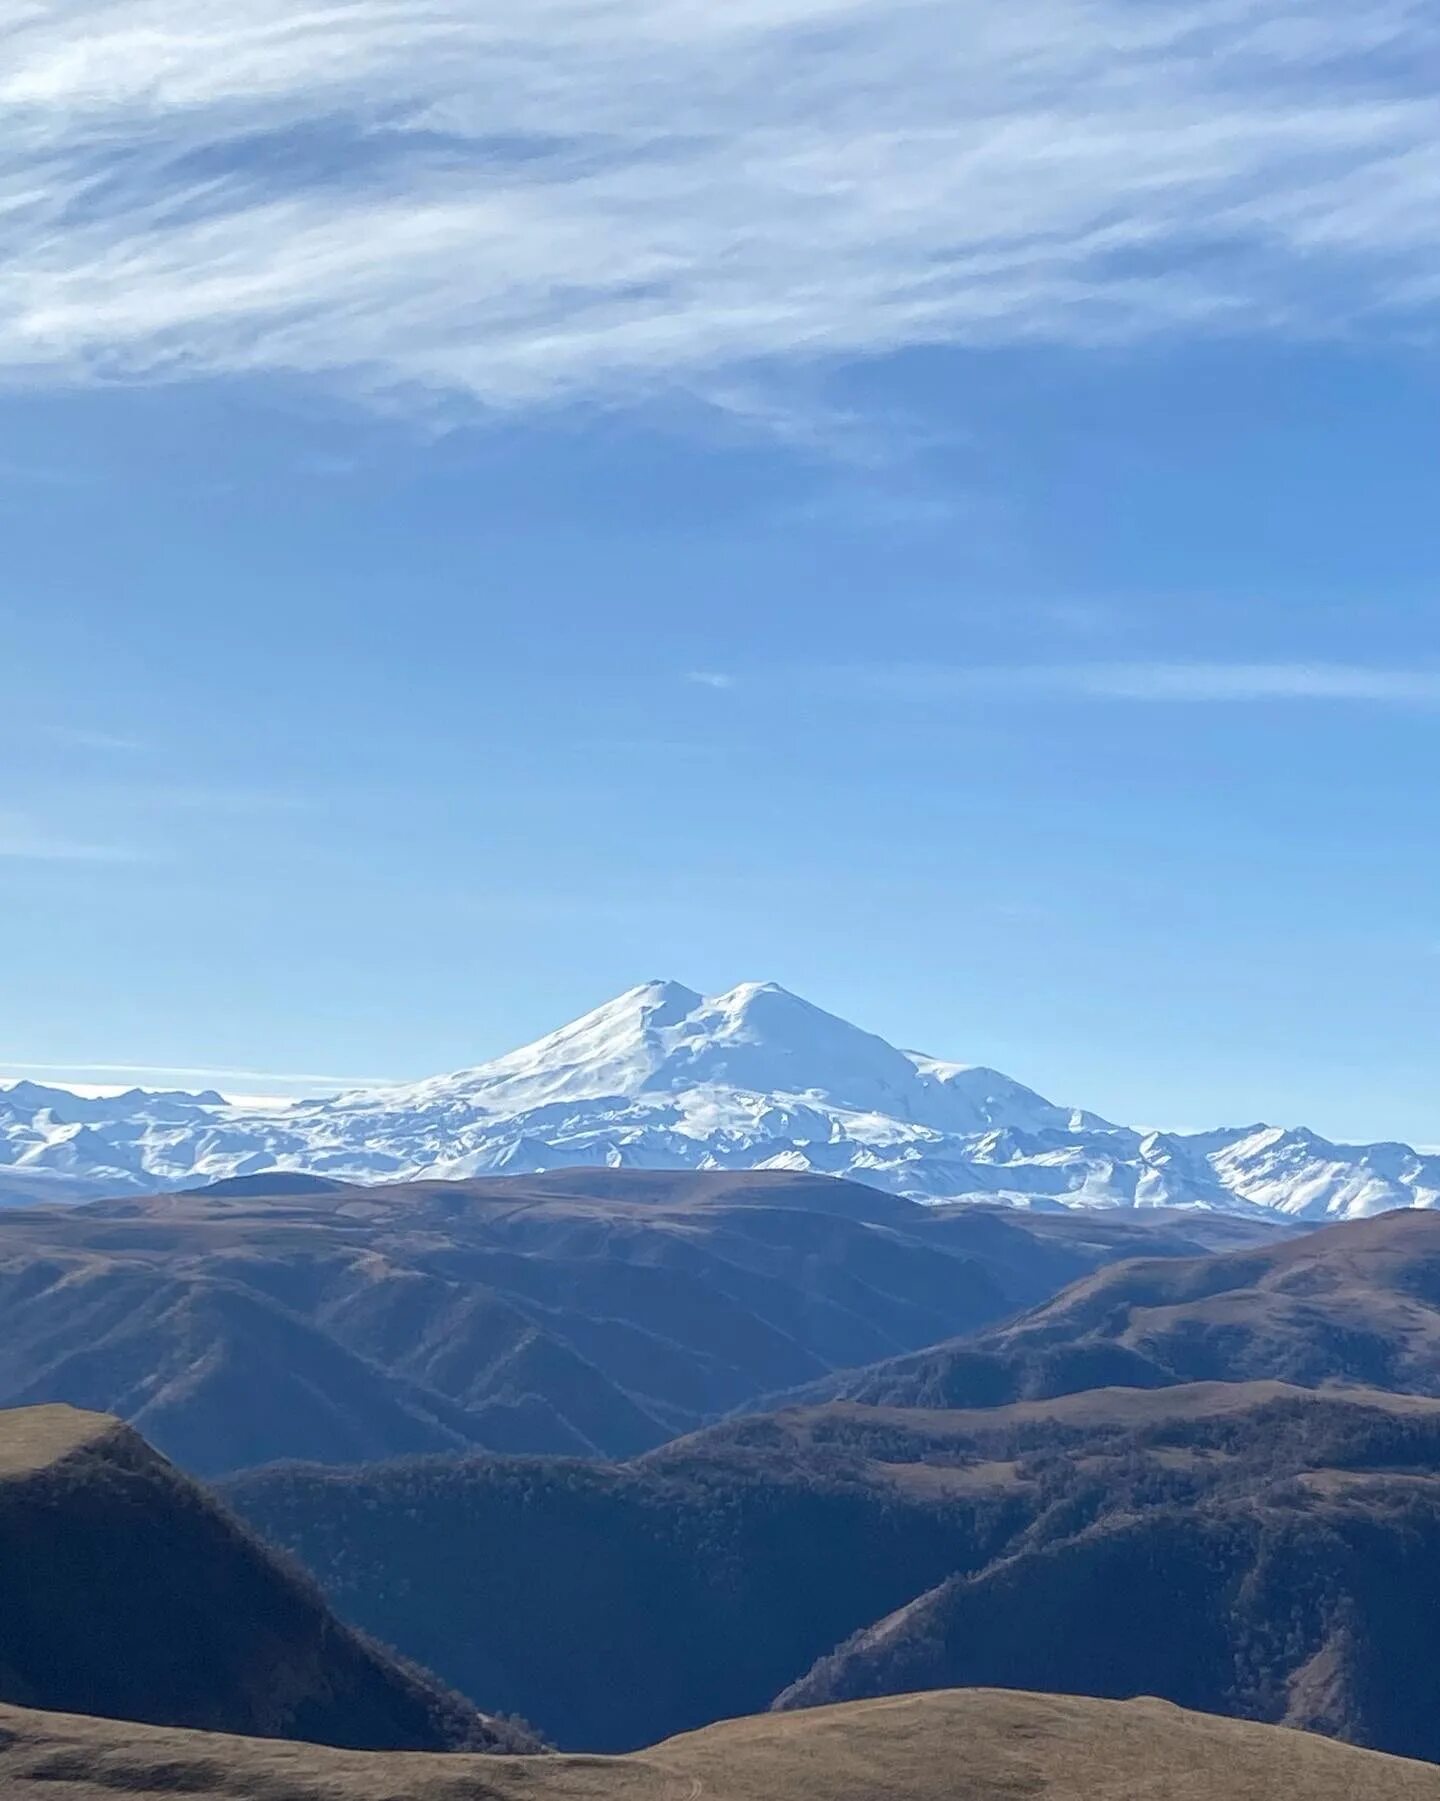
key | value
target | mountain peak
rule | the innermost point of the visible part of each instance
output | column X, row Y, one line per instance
column 768, row 1006
column 664, row 1038
column 653, row 1005
column 608, row 1051
column 657, row 993
column 761, row 1039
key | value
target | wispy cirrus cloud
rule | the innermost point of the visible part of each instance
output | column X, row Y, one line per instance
column 103, row 743
column 1247, row 682
column 24, row 840
column 610, row 199
column 1214, row 682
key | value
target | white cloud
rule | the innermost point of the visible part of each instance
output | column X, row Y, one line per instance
column 208, row 798
column 710, row 678
column 1251, row 681
column 79, row 738
column 25, row 841
column 608, row 199
column 1156, row 682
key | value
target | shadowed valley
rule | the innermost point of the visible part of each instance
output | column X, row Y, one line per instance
column 1298, row 1530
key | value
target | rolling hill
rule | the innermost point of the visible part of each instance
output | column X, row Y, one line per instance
column 126, row 1591
column 593, row 1312
column 973, row 1745
column 1357, row 1303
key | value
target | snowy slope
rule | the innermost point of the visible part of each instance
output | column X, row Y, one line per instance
column 662, row 1076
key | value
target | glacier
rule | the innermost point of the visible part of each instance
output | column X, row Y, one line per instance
column 664, row 1077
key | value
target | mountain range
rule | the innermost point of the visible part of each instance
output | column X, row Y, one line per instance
column 993, row 1511
column 589, row 1312
column 1027, row 1509
column 663, row 1077
column 1357, row 1306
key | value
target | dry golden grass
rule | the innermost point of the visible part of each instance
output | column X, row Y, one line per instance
column 957, row 1745
column 1107, row 1407
column 32, row 1437
column 990, row 1478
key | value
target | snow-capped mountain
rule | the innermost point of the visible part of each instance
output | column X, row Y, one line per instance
column 663, row 1076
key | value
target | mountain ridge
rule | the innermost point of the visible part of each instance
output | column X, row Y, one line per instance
column 1357, row 1301
column 665, row 1077
column 583, row 1312
column 128, row 1591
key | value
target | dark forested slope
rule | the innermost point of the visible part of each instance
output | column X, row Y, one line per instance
column 126, row 1591
column 613, row 1605
column 621, row 1603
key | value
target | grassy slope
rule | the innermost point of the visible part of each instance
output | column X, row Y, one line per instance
column 959, row 1746
column 35, row 1437
column 591, row 1312
column 1356, row 1303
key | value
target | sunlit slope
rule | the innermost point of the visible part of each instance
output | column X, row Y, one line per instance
column 971, row 1745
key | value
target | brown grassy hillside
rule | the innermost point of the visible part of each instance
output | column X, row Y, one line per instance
column 1356, row 1303
column 959, row 1746
column 126, row 1591
column 587, row 1313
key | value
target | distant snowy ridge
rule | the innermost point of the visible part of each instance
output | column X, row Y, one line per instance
column 755, row 1078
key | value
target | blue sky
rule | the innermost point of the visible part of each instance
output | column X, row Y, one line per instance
column 932, row 508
